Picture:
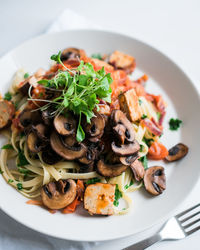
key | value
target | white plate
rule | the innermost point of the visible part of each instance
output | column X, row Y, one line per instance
column 167, row 79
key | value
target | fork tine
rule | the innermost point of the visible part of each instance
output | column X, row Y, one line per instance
column 186, row 211
column 189, row 217
column 193, row 230
column 191, row 224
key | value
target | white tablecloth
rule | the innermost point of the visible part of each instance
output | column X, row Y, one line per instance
column 171, row 26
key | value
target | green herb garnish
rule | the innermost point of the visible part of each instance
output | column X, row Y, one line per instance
column 158, row 115
column 7, row 146
column 26, row 75
column 1, row 172
column 23, row 171
column 147, row 141
column 118, row 195
column 144, row 161
column 140, row 102
column 8, row 96
column 174, row 124
column 93, row 181
column 19, row 186
column 10, row 180
column 141, row 147
column 128, row 185
column 22, row 161
column 97, row 56
column 82, row 88
column 144, row 116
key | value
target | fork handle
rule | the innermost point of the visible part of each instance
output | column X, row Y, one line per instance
column 141, row 245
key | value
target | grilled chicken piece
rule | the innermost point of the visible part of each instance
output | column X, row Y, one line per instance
column 98, row 199
column 129, row 103
column 99, row 64
column 7, row 111
column 122, row 61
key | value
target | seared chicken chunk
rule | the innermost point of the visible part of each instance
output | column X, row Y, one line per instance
column 129, row 103
column 122, row 61
column 99, row 198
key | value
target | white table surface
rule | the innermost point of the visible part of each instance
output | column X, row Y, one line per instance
column 171, row 26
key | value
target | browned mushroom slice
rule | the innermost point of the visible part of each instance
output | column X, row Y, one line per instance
column 138, row 170
column 65, row 125
column 27, row 118
column 34, row 143
column 7, row 111
column 25, row 85
column 108, row 170
column 41, row 130
column 72, row 53
column 128, row 160
column 126, row 149
column 177, row 152
column 57, row 195
column 154, row 180
column 123, row 128
column 95, row 138
column 96, row 127
column 47, row 115
column 70, row 140
column 88, row 158
column 50, row 157
column 67, row 152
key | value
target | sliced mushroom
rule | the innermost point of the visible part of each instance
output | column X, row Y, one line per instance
column 25, row 85
column 41, row 130
column 86, row 168
column 108, row 170
column 123, row 128
column 48, row 114
column 72, row 53
column 88, row 158
column 70, row 140
column 177, row 152
column 50, row 157
column 154, row 180
column 96, row 127
column 7, row 111
column 67, row 152
column 28, row 117
column 57, row 195
column 65, row 125
column 128, row 160
column 34, row 143
column 126, row 149
column 138, row 170
column 95, row 138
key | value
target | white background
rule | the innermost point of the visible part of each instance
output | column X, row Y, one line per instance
column 173, row 26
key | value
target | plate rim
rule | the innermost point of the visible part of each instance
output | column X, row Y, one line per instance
column 186, row 75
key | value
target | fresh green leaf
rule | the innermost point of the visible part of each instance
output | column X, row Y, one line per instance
column 8, row 96
column 147, row 141
column 158, row 115
column 118, row 195
column 141, row 147
column 144, row 162
column 97, row 56
column 22, row 161
column 23, row 171
column 128, row 185
column 93, row 181
column 1, row 172
column 26, row 75
column 55, row 57
column 7, row 146
column 174, row 124
column 19, row 186
column 80, row 134
column 140, row 102
column 144, row 116
column 10, row 181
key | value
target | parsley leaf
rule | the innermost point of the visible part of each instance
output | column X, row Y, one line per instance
column 19, row 186
column 7, row 146
column 8, row 96
column 97, row 56
column 140, row 102
column 22, row 161
column 128, row 185
column 158, row 115
column 10, row 181
column 80, row 134
column 144, row 161
column 26, row 75
column 174, row 124
column 118, row 195
column 1, row 172
column 23, row 171
column 147, row 141
column 93, row 181
column 144, row 116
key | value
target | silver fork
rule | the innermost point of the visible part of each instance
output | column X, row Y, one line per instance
column 174, row 229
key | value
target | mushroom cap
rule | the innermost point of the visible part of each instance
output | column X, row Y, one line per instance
column 57, row 195
column 50, row 157
column 34, row 143
column 72, row 53
column 128, row 160
column 47, row 115
column 177, row 152
column 123, row 128
column 27, row 118
column 7, row 111
column 126, row 149
column 41, row 130
column 108, row 170
column 154, row 180
column 64, row 125
column 96, row 126
column 138, row 170
column 67, row 152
